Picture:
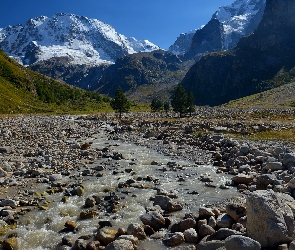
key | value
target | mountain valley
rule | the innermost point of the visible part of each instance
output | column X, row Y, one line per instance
column 90, row 54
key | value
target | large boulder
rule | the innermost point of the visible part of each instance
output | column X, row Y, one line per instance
column 269, row 220
column 241, row 242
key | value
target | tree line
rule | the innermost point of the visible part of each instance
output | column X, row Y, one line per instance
column 182, row 102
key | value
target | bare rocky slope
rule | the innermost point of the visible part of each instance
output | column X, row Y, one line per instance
column 263, row 60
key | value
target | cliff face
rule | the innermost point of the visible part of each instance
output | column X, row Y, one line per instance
column 236, row 20
column 252, row 65
column 207, row 39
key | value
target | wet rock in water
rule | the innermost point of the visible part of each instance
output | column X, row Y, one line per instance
column 173, row 239
column 225, row 221
column 269, row 220
column 85, row 146
column 9, row 203
column 4, row 228
column 105, row 223
column 80, row 244
column 240, row 242
column 79, row 191
column 87, row 214
column 106, row 236
column 90, row 202
column 71, row 225
column 10, row 244
column 148, row 230
column 235, row 211
column 167, row 203
column 153, row 219
column 131, row 238
column 68, row 240
column 136, row 230
column 191, row 236
column 120, row 245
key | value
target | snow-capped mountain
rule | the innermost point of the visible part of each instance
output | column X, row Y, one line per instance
column 182, row 43
column 83, row 40
column 239, row 19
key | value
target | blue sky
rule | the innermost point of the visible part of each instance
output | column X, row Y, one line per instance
column 159, row 21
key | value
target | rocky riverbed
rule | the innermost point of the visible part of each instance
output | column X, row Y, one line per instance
column 94, row 182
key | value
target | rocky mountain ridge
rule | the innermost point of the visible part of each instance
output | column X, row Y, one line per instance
column 81, row 39
column 227, row 25
column 262, row 60
column 224, row 30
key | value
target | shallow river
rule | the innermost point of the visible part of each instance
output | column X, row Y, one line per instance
column 40, row 229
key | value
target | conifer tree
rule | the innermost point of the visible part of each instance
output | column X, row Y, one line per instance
column 179, row 100
column 156, row 105
column 190, row 103
column 120, row 103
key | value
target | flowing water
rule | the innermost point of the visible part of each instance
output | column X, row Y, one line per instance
column 40, row 229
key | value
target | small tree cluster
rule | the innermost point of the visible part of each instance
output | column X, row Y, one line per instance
column 183, row 102
column 157, row 105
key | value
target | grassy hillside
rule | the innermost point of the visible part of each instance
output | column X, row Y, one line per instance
column 25, row 91
column 280, row 97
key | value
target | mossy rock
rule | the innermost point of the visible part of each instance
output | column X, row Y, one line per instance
column 65, row 199
column 10, row 244
column 80, row 191
column 51, row 191
column 44, row 207
column 4, row 228
column 84, row 215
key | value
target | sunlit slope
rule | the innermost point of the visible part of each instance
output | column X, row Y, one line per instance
column 25, row 91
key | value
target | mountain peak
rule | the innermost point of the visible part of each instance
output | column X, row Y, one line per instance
column 239, row 19
column 260, row 61
column 84, row 40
